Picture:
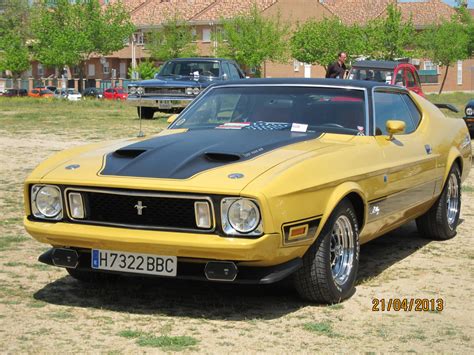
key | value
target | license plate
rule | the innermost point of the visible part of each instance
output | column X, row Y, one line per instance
column 164, row 104
column 134, row 262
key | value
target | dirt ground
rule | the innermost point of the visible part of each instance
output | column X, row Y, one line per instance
column 42, row 310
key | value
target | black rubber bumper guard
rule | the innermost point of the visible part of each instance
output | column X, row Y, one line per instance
column 186, row 270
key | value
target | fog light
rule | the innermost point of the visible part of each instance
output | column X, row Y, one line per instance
column 203, row 214
column 76, row 207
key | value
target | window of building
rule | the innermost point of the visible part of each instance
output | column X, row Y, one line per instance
column 40, row 69
column 75, row 70
column 139, row 38
column 106, row 68
column 193, row 33
column 296, row 66
column 459, row 72
column 429, row 65
column 206, row 34
column 91, row 70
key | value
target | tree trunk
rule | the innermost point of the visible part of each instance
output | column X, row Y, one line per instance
column 444, row 80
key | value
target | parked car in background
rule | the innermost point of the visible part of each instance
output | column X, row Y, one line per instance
column 388, row 72
column 469, row 116
column 41, row 92
column 178, row 82
column 254, row 182
column 94, row 92
column 14, row 92
column 117, row 93
column 69, row 94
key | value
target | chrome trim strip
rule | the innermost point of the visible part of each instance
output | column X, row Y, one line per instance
column 143, row 194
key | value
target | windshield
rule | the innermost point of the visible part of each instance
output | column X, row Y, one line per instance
column 190, row 68
column 379, row 75
column 299, row 109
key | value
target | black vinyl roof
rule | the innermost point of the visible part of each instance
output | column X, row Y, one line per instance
column 376, row 64
column 366, row 84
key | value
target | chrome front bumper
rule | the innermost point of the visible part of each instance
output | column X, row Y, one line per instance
column 160, row 102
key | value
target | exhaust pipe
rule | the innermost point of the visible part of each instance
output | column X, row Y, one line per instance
column 221, row 271
column 65, row 257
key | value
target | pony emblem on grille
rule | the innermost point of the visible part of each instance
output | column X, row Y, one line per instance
column 139, row 206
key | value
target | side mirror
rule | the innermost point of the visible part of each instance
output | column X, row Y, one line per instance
column 394, row 127
column 172, row 118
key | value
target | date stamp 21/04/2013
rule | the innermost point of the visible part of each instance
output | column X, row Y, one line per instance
column 407, row 304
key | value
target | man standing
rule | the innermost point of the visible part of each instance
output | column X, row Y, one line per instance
column 337, row 69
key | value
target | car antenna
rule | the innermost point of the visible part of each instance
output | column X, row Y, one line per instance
column 140, row 132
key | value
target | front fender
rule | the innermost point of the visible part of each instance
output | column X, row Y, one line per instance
column 338, row 194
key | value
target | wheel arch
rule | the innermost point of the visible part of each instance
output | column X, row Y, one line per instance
column 354, row 193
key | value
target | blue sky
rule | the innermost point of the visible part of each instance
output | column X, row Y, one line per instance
column 470, row 3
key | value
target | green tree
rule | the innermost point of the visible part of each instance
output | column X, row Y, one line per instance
column 388, row 38
column 465, row 18
column 445, row 43
column 145, row 70
column 319, row 42
column 173, row 40
column 251, row 40
column 69, row 33
column 14, row 35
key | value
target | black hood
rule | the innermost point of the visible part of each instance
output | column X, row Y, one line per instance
column 182, row 155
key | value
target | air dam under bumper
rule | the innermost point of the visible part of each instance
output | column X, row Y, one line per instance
column 160, row 102
column 213, row 270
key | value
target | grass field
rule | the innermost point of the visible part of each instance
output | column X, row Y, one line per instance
column 42, row 310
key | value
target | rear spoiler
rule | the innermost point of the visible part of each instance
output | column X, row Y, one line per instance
column 448, row 107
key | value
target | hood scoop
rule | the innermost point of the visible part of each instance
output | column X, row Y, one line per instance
column 222, row 157
column 129, row 153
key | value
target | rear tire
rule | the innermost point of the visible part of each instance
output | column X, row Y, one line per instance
column 147, row 112
column 330, row 265
column 441, row 220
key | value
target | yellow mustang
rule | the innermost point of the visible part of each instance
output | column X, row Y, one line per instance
column 253, row 182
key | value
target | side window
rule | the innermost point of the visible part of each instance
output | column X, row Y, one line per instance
column 415, row 114
column 234, row 73
column 399, row 79
column 410, row 79
column 391, row 106
column 225, row 68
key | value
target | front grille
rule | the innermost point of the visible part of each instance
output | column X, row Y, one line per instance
column 141, row 209
column 166, row 91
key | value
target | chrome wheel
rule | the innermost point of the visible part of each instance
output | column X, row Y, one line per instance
column 452, row 200
column 342, row 250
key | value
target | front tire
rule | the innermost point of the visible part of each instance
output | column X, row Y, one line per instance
column 146, row 112
column 441, row 220
column 330, row 265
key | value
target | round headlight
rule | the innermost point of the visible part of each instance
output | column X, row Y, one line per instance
column 469, row 111
column 132, row 90
column 189, row 91
column 244, row 215
column 48, row 201
column 140, row 91
column 196, row 91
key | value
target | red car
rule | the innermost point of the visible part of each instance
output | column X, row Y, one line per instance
column 389, row 72
column 117, row 93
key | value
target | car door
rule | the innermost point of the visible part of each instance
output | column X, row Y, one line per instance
column 408, row 165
